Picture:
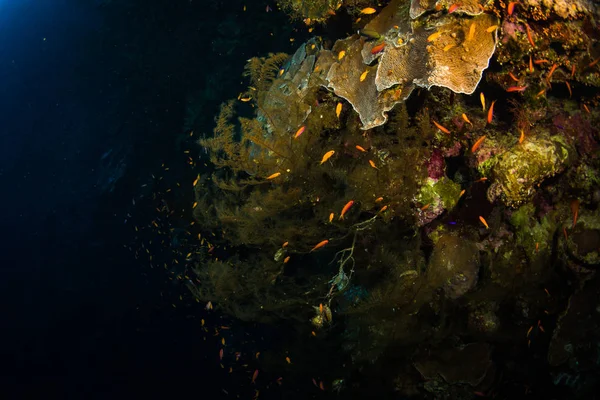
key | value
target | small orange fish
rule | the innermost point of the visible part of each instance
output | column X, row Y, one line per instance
column 590, row 65
column 425, row 207
column 321, row 308
column 477, row 144
column 221, row 354
column 196, row 181
column 491, row 28
column 484, row 222
column 360, row 148
column 461, row 193
column 530, row 65
column 529, row 37
column 341, row 54
column 516, row 89
column 331, row 217
column 377, row 200
column 466, row 119
column 285, row 244
column 511, row 7
column 321, row 386
column 575, row 210
column 287, row 359
column 286, row 260
column 273, row 176
column 471, row 32
column 368, row 11
column 319, row 245
column 540, row 61
column 363, row 76
column 551, row 72
column 434, row 36
column 453, row 8
column 440, row 127
column 299, row 132
column 327, row 155
column 483, row 179
column 569, row 87
column 338, row 109
column 513, row 77
column 490, row 115
column 449, row 46
column 372, row 164
column 482, row 98
column 378, row 49
column 346, row 208
column 522, row 137
column 223, row 341
column 383, row 209
column 586, row 108
column 254, row 376
column 193, row 206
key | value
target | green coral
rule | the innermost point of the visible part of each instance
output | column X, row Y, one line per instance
column 441, row 193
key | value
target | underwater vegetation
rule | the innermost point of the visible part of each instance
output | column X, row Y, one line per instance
column 425, row 191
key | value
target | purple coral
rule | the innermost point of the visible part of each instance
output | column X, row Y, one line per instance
column 436, row 166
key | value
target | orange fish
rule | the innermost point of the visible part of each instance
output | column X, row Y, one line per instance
column 346, row 208
column 516, row 89
column 440, row 127
column 285, row 244
column 363, row 76
column 287, row 359
column 338, row 109
column 377, row 200
column 368, row 10
column 273, row 176
column 490, row 115
column 331, row 217
column 511, row 7
column 464, row 117
column 221, row 354
column 586, row 108
column 569, row 87
column 530, row 65
column 513, row 77
column 327, row 155
column 319, row 245
column 491, row 28
column 590, row 65
column 484, row 222
column 196, row 181
column 434, row 36
column 481, row 180
column 529, row 37
column 461, row 193
column 477, row 144
column 425, row 207
column 321, row 308
column 575, row 210
column 299, row 131
column 286, row 260
column 378, row 49
column 482, row 98
column 360, row 148
column 551, row 72
column 522, row 137
column 254, row 376
column 471, row 32
column 541, row 61
column 453, row 8
column 383, row 209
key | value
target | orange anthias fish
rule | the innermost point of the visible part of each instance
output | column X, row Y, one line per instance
column 440, row 127
column 273, row 176
column 254, row 376
column 327, row 155
column 331, row 217
column 346, row 208
column 484, row 222
column 299, row 132
column 360, row 148
column 466, row 119
column 511, row 7
column 319, row 245
column 477, row 144
column 378, row 49
column 516, row 89
column 372, row 164
column 490, row 115
column 453, row 8
column 338, row 109
column 368, row 10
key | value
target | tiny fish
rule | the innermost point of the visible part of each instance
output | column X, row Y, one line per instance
column 327, row 155
column 221, row 354
column 590, row 65
column 466, row 119
column 482, row 98
column 529, row 37
column 273, row 176
column 377, row 200
column 378, row 49
column 299, row 132
column 484, row 222
column 569, row 87
column 372, row 164
column 461, row 193
column 331, row 216
column 530, row 65
column 319, row 245
column 551, row 72
column 360, row 148
column 434, row 36
column 490, row 115
column 338, row 109
column 516, row 89
column 522, row 137
column 286, row 260
column 368, row 11
column 363, row 76
column 477, row 144
column 341, row 54
column 346, row 208
column 195, row 204
column 453, row 8
column 196, row 181
column 254, row 376
column 511, row 7
column 246, row 99
column 383, row 209
column 440, row 127
column 491, row 28
column 471, row 32
column 287, row 359
column 513, row 77
column 449, row 46
column 425, row 207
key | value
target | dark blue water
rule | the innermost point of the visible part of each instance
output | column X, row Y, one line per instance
column 92, row 103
